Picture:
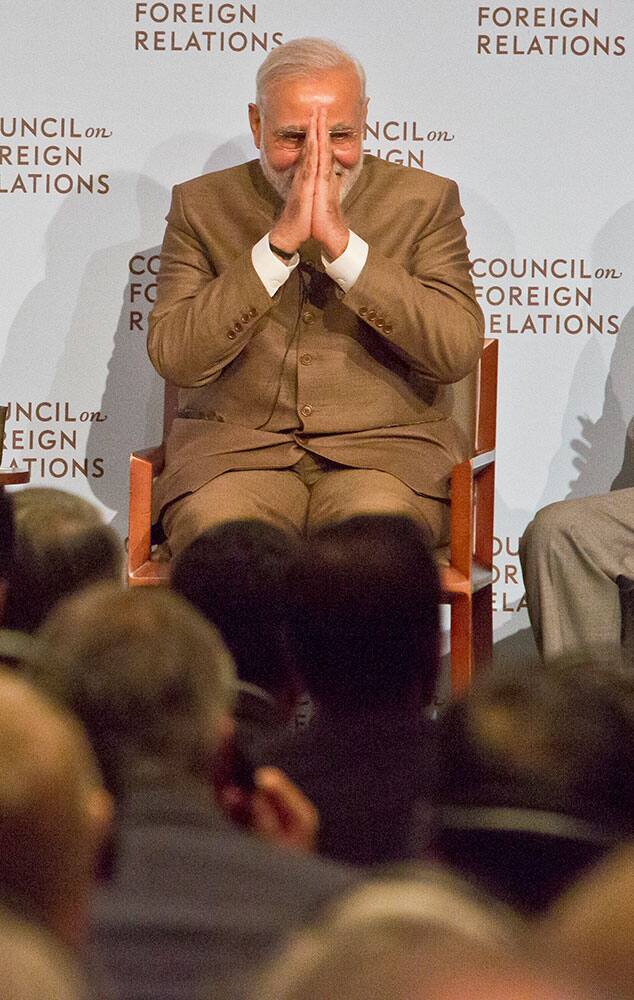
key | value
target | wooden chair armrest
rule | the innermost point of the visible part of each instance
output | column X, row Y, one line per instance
column 13, row 477
column 155, row 456
column 144, row 466
column 466, row 479
column 481, row 461
column 461, row 543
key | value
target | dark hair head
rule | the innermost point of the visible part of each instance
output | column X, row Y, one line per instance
column 559, row 737
column 236, row 576
column 366, row 619
column 533, row 776
column 61, row 545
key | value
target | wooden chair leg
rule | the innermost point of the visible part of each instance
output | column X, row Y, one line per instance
column 483, row 628
column 461, row 642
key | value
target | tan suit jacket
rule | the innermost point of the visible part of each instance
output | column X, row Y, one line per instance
column 354, row 377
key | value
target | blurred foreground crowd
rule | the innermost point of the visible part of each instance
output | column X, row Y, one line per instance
column 169, row 830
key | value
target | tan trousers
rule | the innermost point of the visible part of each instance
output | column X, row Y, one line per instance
column 310, row 494
column 572, row 554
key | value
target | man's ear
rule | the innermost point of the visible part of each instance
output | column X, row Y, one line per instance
column 255, row 121
column 100, row 810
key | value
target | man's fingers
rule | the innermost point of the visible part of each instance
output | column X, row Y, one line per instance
column 282, row 804
column 325, row 152
column 310, row 152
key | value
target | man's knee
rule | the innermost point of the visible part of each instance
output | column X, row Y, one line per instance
column 184, row 522
column 556, row 526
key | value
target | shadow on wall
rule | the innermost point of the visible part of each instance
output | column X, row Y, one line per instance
column 133, row 395
column 102, row 348
column 594, row 448
column 75, row 340
column 610, row 438
column 70, row 309
column 600, row 446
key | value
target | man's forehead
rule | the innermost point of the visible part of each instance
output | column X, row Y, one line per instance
column 339, row 91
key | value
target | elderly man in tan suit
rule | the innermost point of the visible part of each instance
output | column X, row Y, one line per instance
column 310, row 306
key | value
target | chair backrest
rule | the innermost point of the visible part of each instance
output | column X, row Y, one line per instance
column 472, row 402
column 526, row 857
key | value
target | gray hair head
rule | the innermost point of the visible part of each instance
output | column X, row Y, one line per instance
column 303, row 58
column 392, row 939
column 34, row 965
column 61, row 545
column 148, row 677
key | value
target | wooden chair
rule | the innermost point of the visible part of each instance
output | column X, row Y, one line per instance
column 144, row 566
column 467, row 565
column 467, row 576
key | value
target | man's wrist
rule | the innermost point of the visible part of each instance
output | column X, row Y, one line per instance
column 337, row 245
column 348, row 266
column 285, row 255
column 271, row 269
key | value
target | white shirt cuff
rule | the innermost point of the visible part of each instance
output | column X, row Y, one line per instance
column 346, row 268
column 271, row 271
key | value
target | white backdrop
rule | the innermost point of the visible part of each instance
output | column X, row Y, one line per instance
column 529, row 107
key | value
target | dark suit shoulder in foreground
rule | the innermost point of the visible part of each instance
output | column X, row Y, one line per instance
column 195, row 903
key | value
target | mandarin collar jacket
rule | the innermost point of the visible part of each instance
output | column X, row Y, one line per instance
column 358, row 377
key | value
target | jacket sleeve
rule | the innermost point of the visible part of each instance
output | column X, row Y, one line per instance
column 202, row 320
column 427, row 313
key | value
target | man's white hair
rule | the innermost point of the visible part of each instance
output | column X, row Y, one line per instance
column 303, row 57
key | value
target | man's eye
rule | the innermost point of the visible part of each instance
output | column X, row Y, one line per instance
column 295, row 138
column 342, row 135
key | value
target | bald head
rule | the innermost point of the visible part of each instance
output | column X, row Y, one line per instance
column 50, row 802
column 33, row 965
column 590, row 928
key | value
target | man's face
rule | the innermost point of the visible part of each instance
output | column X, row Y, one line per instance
column 279, row 129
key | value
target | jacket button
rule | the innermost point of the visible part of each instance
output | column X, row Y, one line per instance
column 379, row 322
column 371, row 313
column 237, row 327
column 306, row 359
column 307, row 316
column 363, row 311
column 231, row 335
column 252, row 312
column 387, row 329
column 245, row 317
column 306, row 410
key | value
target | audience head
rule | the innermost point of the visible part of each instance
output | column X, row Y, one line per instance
column 531, row 769
column 429, row 937
column 589, row 928
column 61, row 545
column 236, row 576
column 365, row 615
column 33, row 965
column 7, row 539
column 150, row 680
column 54, row 814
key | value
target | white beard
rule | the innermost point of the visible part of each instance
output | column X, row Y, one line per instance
column 281, row 180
